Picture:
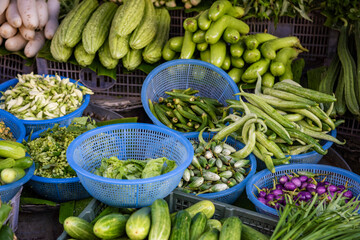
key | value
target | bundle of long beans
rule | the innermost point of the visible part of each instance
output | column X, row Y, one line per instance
column 271, row 123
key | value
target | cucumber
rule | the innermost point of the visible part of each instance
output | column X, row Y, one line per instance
column 78, row 228
column 231, row 229
column 181, row 229
column 198, row 224
column 248, row 233
column 7, row 163
column 138, row 225
column 10, row 150
column 9, row 175
column 213, row 223
column 212, row 234
column 160, row 221
column 110, row 226
column 204, row 206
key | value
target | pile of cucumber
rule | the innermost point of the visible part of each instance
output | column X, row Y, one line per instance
column 221, row 39
column 13, row 161
column 156, row 223
column 132, row 32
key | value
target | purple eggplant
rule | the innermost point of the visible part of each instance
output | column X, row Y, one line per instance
column 290, row 186
column 303, row 178
column 304, row 185
column 283, row 179
column 348, row 194
column 321, row 190
column 311, row 187
column 301, row 196
column 308, row 195
column 279, row 186
column 332, row 188
column 262, row 200
column 296, row 181
column 270, row 197
column 326, row 183
column 341, row 187
column 277, row 192
column 262, row 194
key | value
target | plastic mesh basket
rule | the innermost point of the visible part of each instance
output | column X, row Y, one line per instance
column 57, row 189
column 210, row 80
column 308, row 158
column 16, row 126
column 230, row 195
column 129, row 141
column 36, row 125
column 11, row 65
column 336, row 176
column 8, row 191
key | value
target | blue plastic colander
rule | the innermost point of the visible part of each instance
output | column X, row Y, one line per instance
column 210, row 80
column 36, row 125
column 129, row 141
column 57, row 189
column 310, row 158
column 337, row 176
column 229, row 195
column 16, row 126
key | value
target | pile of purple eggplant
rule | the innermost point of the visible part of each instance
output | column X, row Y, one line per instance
column 301, row 186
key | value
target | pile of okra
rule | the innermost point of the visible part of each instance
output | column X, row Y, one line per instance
column 276, row 123
column 185, row 112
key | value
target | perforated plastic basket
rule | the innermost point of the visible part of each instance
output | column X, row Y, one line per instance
column 129, row 141
column 210, row 80
column 36, row 125
column 16, row 126
column 230, row 195
column 11, row 65
column 8, row 191
column 57, row 189
column 308, row 158
column 265, row 178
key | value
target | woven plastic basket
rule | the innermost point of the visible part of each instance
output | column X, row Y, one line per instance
column 8, row 191
column 36, row 125
column 129, row 141
column 309, row 158
column 230, row 195
column 210, row 80
column 265, row 178
column 57, row 189
column 16, row 126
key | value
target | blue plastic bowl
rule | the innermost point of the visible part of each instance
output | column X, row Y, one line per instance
column 16, row 126
column 8, row 191
column 57, row 189
column 337, row 176
column 306, row 158
column 36, row 125
column 210, row 80
column 229, row 195
column 129, row 141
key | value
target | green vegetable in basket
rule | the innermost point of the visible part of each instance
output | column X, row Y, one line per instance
column 153, row 168
column 36, row 97
column 49, row 150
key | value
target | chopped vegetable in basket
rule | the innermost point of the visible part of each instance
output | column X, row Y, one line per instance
column 134, row 169
column 36, row 97
column 49, row 150
column 5, row 132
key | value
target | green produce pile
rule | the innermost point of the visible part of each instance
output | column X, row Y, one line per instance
column 5, row 230
column 284, row 120
column 220, row 37
column 13, row 161
column 49, row 150
column 343, row 74
column 170, row 3
column 185, row 112
column 212, row 168
column 315, row 220
column 36, row 97
column 134, row 169
column 132, row 32
column 5, row 132
column 156, row 222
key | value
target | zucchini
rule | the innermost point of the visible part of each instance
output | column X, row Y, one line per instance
column 7, row 163
column 132, row 59
column 10, row 150
column 105, row 57
column 129, row 17
column 231, row 229
column 198, row 224
column 248, row 233
column 145, row 32
column 82, row 57
column 204, row 206
column 97, row 28
column 110, row 226
column 153, row 52
column 160, row 221
column 78, row 228
column 181, row 228
column 138, row 225
column 73, row 30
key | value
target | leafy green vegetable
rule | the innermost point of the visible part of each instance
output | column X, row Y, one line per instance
column 153, row 168
column 36, row 201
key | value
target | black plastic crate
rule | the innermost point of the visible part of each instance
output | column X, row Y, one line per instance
column 11, row 66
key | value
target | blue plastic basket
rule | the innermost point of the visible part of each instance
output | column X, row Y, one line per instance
column 229, row 195
column 57, row 189
column 210, row 80
column 265, row 178
column 306, row 158
column 36, row 125
column 8, row 191
column 129, row 141
column 16, row 126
